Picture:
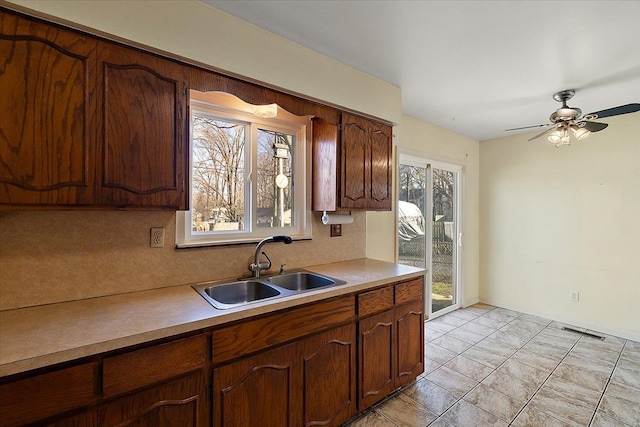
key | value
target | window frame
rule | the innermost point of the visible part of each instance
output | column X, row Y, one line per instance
column 227, row 107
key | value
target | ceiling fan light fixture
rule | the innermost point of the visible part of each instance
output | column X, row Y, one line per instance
column 555, row 136
column 580, row 133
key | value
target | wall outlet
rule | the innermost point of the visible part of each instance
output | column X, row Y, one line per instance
column 157, row 237
column 336, row 230
column 574, row 296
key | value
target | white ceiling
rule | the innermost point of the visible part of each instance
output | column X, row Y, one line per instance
column 475, row 67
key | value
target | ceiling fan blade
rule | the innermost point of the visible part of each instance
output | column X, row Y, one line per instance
column 616, row 111
column 541, row 134
column 594, row 126
column 529, row 127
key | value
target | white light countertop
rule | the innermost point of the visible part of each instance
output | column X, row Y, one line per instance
column 41, row 336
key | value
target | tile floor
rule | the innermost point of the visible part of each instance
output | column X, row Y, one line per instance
column 489, row 366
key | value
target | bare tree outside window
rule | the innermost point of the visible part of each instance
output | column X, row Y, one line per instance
column 218, row 174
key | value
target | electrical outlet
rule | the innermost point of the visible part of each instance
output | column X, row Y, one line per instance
column 336, row 230
column 574, row 296
column 157, row 237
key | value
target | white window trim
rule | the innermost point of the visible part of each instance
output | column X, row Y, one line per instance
column 227, row 106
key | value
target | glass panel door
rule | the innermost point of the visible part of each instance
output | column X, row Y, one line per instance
column 444, row 239
column 428, row 227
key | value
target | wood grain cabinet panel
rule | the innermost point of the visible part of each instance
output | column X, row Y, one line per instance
column 179, row 403
column 281, row 327
column 43, row 396
column 258, row 390
column 329, row 378
column 365, row 164
column 136, row 369
column 391, row 342
column 410, row 290
column 47, row 110
column 308, row 382
column 143, row 129
column 377, row 358
column 375, row 301
column 361, row 177
column 410, row 348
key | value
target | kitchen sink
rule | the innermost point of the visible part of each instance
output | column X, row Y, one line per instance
column 302, row 281
column 229, row 295
column 241, row 292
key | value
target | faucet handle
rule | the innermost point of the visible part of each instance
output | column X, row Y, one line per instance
column 282, row 268
column 268, row 266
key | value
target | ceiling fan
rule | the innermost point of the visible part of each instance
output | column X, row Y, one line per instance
column 565, row 118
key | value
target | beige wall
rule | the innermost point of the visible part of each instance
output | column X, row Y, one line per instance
column 560, row 220
column 48, row 257
column 422, row 139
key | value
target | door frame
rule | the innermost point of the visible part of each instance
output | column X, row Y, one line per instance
column 416, row 159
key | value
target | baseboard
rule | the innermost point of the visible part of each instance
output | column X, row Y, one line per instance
column 587, row 325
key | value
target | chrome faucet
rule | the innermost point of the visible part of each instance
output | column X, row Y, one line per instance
column 258, row 266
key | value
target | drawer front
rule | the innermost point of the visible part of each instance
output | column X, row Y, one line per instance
column 411, row 290
column 280, row 327
column 375, row 301
column 144, row 367
column 42, row 396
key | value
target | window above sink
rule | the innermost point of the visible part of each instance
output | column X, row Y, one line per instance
column 249, row 172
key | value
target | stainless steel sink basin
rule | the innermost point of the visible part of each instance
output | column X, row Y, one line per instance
column 303, row 281
column 242, row 292
column 228, row 295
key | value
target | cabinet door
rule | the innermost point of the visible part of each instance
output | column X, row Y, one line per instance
column 377, row 358
column 329, row 377
column 410, row 332
column 257, row 391
column 380, row 143
column 178, row 403
column 365, row 178
column 142, row 137
column 48, row 113
column 355, row 167
column 85, row 419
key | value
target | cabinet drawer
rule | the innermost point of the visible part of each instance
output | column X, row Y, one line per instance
column 144, row 367
column 409, row 291
column 42, row 396
column 375, row 301
column 280, row 327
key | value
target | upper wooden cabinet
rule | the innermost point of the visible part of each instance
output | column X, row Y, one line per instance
column 88, row 123
column 365, row 178
column 356, row 172
column 142, row 132
column 47, row 114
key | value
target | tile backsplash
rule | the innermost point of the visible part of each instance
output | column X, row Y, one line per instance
column 54, row 256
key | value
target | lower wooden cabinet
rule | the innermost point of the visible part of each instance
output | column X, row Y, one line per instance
column 305, row 383
column 376, row 339
column 391, row 342
column 161, row 385
column 178, row 403
column 313, row 365
column 410, row 349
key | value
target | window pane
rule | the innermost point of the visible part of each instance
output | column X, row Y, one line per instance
column 443, row 286
column 274, row 179
column 411, row 210
column 217, row 199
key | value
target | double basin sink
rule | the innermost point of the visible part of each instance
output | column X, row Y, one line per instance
column 242, row 292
